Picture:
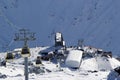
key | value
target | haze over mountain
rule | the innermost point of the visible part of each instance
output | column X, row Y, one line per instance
column 95, row 21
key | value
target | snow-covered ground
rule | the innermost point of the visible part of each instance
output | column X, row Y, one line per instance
column 88, row 69
column 57, row 75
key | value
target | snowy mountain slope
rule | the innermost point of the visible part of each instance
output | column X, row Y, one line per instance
column 95, row 21
column 15, row 71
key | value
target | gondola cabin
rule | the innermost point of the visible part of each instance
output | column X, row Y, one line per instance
column 25, row 52
column 9, row 57
column 38, row 61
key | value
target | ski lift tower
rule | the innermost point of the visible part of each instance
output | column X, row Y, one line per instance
column 80, row 43
column 25, row 35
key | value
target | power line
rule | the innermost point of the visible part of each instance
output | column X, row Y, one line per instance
column 7, row 20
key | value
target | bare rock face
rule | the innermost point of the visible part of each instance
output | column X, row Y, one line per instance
column 114, row 75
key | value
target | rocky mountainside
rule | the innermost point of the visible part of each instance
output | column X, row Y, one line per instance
column 94, row 21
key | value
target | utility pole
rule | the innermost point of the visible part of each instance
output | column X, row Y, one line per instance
column 25, row 35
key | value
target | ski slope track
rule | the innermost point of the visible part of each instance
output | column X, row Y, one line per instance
column 95, row 21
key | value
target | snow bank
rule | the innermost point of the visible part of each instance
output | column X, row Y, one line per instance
column 103, row 63
column 114, row 63
column 99, row 63
column 89, row 64
column 11, row 71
